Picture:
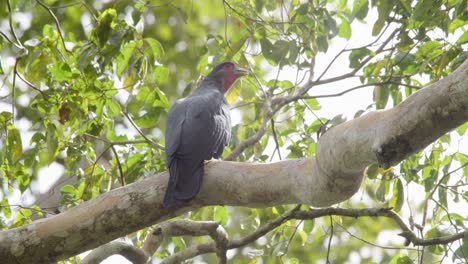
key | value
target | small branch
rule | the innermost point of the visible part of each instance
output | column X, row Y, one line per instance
column 221, row 239
column 154, row 144
column 429, row 197
column 275, row 137
column 190, row 228
column 31, row 85
column 267, row 115
column 57, row 23
column 117, row 247
column 356, row 88
column 330, row 239
column 210, row 247
column 12, row 29
column 119, row 166
column 381, row 212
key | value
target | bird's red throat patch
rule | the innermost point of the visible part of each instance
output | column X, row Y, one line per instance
column 229, row 79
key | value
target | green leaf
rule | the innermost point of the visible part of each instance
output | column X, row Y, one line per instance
column 106, row 24
column 125, row 55
column 372, row 171
column 221, row 215
column 156, row 48
column 401, row 259
column 237, row 43
column 463, row 38
column 382, row 191
column 406, row 6
column 160, row 100
column 60, row 72
column 461, row 130
column 341, row 4
column 161, row 75
column 5, row 208
column 37, row 210
column 322, row 43
column 143, row 94
column 344, row 30
column 22, row 177
column 429, row 50
column 147, row 120
column 384, row 7
column 267, row 51
column 360, row 8
column 280, row 50
column 435, row 233
column 398, row 196
column 113, row 108
column 5, row 117
column 293, row 51
column 52, row 142
column 313, row 103
column 14, row 143
column 381, row 94
column 461, row 252
column 356, row 57
column 308, row 225
column 22, row 217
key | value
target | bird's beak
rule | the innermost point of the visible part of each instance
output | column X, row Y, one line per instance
column 240, row 72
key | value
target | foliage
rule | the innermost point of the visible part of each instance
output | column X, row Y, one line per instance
column 93, row 82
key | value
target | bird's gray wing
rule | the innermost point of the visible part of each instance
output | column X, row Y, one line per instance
column 175, row 121
column 221, row 131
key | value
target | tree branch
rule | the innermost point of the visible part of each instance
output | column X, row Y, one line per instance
column 200, row 249
column 126, row 250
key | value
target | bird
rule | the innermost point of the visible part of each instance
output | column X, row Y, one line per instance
column 198, row 128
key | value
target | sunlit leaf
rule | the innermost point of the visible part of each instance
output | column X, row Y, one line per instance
column 356, row 57
column 401, row 259
column 372, row 171
column 52, row 142
column 221, row 215
column 125, row 55
column 5, row 208
column 398, row 195
column 14, row 143
column 384, row 8
column 360, row 8
column 344, row 29
column 161, row 75
column 156, row 48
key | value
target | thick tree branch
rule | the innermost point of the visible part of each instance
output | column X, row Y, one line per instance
column 332, row 176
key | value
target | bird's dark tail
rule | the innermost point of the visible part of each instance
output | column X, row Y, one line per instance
column 184, row 181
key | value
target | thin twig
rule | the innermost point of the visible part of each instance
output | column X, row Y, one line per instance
column 423, row 220
column 330, row 239
column 119, row 166
column 12, row 29
column 57, row 23
column 154, row 144
column 275, row 138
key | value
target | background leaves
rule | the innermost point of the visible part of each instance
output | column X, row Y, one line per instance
column 96, row 93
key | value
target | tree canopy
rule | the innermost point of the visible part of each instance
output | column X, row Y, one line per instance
column 86, row 87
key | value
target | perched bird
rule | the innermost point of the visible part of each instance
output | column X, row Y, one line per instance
column 197, row 129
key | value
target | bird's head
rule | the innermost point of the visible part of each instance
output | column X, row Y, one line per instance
column 227, row 73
